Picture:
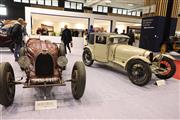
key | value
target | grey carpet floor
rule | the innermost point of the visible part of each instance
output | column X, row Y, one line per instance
column 108, row 95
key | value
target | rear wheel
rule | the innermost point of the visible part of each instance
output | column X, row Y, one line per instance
column 139, row 72
column 7, row 88
column 78, row 80
column 167, row 68
column 87, row 57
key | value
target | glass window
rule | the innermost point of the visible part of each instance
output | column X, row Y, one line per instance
column 95, row 8
column 25, row 1
column 101, row 39
column 55, row 3
column 100, row 9
column 41, row 2
column 114, row 10
column 3, row 10
column 73, row 5
column 138, row 13
column 17, row 0
column 79, row 6
column 105, row 9
column 48, row 2
column 33, row 1
column 124, row 12
column 134, row 13
column 67, row 4
column 120, row 40
column 129, row 12
column 120, row 11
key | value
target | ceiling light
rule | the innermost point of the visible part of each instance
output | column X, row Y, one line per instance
column 131, row 5
column 107, row 1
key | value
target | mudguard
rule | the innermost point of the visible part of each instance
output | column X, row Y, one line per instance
column 164, row 55
column 89, row 48
column 138, row 57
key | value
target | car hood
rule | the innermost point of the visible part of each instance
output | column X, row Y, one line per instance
column 131, row 51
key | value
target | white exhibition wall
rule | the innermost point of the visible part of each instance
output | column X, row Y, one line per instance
column 29, row 11
column 58, row 22
column 123, row 26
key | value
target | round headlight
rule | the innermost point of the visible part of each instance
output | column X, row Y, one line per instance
column 62, row 61
column 24, row 62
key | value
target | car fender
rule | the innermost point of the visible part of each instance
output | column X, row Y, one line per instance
column 89, row 48
column 164, row 55
column 138, row 57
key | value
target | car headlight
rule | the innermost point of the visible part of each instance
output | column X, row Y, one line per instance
column 62, row 61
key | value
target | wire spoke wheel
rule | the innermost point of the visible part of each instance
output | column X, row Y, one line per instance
column 87, row 57
column 139, row 72
column 167, row 68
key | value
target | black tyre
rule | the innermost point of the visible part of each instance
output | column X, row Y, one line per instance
column 7, row 89
column 78, row 80
column 87, row 57
column 139, row 72
column 61, row 50
column 167, row 68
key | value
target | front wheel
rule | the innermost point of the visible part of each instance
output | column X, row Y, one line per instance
column 139, row 72
column 78, row 80
column 167, row 68
column 7, row 88
column 87, row 57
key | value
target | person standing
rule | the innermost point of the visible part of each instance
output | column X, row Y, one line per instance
column 132, row 38
column 116, row 30
column 91, row 29
column 67, row 38
column 123, row 33
column 17, row 37
column 24, row 33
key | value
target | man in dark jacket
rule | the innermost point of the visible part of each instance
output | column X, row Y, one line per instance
column 132, row 38
column 17, row 37
column 66, row 38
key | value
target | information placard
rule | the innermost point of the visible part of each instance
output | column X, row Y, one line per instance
column 45, row 105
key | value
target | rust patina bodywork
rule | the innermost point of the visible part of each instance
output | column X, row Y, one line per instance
column 36, row 48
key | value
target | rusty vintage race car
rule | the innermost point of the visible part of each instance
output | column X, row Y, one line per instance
column 43, row 63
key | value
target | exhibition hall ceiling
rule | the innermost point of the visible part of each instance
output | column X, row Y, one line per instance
column 129, row 4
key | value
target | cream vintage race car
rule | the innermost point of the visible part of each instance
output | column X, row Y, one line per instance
column 112, row 49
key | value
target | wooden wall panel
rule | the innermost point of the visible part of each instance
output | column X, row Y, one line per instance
column 161, row 8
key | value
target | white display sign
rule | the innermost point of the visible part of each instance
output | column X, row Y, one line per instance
column 3, row 10
column 46, row 105
column 160, row 83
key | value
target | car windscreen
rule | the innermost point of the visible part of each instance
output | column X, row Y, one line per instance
column 119, row 40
